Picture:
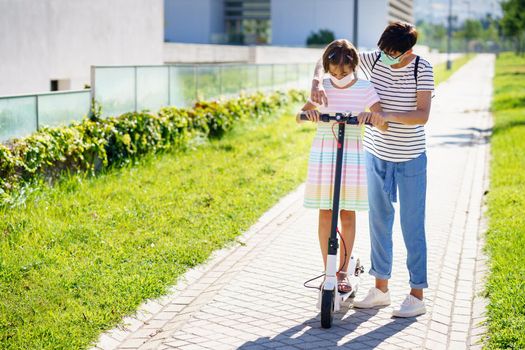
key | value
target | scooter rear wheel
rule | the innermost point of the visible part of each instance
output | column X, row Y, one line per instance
column 327, row 308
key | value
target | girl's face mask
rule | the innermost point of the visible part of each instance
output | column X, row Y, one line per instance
column 343, row 81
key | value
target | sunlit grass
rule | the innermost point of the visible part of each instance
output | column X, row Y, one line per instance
column 82, row 255
column 440, row 70
column 506, row 234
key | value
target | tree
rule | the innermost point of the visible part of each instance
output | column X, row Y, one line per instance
column 323, row 37
column 472, row 29
column 432, row 35
column 513, row 22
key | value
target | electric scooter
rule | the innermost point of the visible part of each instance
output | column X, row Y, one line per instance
column 330, row 299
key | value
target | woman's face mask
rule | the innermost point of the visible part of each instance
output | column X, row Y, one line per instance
column 389, row 60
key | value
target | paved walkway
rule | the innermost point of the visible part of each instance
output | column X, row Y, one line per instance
column 251, row 295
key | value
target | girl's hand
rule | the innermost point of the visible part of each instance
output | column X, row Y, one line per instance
column 312, row 115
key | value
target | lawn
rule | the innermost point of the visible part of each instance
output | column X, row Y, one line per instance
column 440, row 70
column 76, row 258
column 506, row 203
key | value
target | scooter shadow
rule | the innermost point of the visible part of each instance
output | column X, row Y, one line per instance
column 310, row 335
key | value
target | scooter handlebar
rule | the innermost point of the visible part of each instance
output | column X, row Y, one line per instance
column 347, row 118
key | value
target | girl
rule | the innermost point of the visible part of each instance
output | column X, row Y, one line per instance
column 345, row 93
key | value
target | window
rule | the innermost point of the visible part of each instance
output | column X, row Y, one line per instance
column 60, row 84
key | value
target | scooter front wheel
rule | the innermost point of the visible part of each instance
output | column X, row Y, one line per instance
column 327, row 308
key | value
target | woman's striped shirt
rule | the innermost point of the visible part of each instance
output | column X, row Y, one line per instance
column 396, row 88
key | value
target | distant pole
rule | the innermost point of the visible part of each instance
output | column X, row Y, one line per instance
column 356, row 10
column 449, row 35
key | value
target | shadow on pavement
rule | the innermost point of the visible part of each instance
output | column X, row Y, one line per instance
column 310, row 335
column 474, row 137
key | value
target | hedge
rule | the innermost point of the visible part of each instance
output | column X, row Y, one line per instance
column 96, row 144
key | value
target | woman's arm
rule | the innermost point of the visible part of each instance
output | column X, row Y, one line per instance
column 417, row 117
column 317, row 94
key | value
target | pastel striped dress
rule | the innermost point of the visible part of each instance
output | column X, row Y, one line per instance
column 321, row 165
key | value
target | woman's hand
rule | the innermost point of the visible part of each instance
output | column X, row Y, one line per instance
column 318, row 94
column 364, row 117
column 377, row 119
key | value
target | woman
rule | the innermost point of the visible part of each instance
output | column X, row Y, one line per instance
column 396, row 160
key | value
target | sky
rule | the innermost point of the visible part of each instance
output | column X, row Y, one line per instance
column 436, row 11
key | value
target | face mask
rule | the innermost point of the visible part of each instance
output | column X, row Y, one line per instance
column 342, row 82
column 388, row 60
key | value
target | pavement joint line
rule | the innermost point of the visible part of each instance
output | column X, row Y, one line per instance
column 480, row 262
column 458, row 209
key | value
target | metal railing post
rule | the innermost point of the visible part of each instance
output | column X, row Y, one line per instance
column 257, row 77
column 243, row 77
column 221, row 90
column 92, row 93
column 273, row 77
column 169, row 85
column 196, row 82
column 36, row 114
column 136, row 96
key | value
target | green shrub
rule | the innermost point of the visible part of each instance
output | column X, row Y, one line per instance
column 96, row 143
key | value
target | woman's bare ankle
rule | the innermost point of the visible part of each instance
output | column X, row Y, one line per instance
column 418, row 293
column 382, row 285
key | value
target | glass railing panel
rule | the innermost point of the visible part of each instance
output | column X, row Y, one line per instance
column 18, row 117
column 115, row 89
column 152, row 88
column 182, row 86
column 208, row 82
column 57, row 109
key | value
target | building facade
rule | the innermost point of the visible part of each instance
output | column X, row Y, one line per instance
column 279, row 22
column 51, row 44
column 294, row 20
column 217, row 21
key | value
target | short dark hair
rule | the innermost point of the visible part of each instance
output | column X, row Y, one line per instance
column 340, row 52
column 398, row 36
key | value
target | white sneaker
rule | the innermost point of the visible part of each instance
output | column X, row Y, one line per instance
column 411, row 307
column 374, row 298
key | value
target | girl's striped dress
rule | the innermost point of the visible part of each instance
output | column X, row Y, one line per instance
column 321, row 164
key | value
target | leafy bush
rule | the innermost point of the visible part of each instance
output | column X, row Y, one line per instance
column 323, row 37
column 98, row 143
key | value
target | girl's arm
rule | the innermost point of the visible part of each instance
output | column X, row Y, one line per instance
column 417, row 117
column 311, row 112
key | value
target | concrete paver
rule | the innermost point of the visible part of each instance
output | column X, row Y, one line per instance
column 252, row 297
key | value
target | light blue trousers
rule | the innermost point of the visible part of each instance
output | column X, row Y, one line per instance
column 384, row 179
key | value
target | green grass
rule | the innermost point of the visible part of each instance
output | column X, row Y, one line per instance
column 79, row 256
column 506, row 201
column 440, row 70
